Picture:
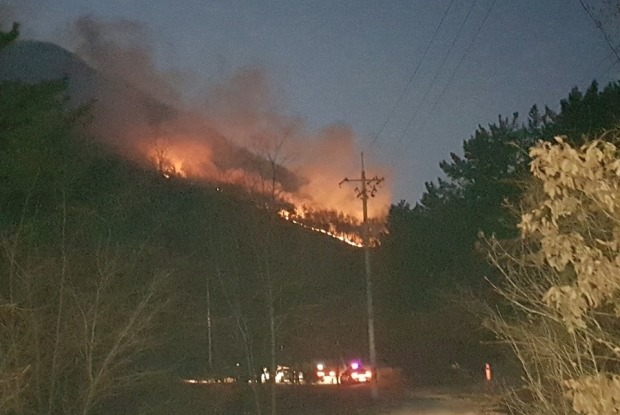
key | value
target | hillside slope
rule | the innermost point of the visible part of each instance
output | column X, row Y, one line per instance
column 221, row 243
column 131, row 122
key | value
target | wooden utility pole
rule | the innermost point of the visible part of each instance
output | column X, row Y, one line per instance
column 209, row 333
column 367, row 190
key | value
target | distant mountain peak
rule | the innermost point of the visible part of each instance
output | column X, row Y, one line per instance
column 34, row 61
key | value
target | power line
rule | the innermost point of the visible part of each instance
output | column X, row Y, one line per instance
column 415, row 71
column 599, row 25
column 471, row 43
column 446, row 55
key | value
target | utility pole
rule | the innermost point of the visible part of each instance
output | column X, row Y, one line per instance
column 209, row 333
column 367, row 190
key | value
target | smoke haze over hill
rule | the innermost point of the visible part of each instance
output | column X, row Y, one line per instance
column 236, row 134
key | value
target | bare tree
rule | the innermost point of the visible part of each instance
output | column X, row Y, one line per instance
column 274, row 147
column 72, row 331
column 230, row 283
column 258, row 291
column 112, row 330
column 165, row 166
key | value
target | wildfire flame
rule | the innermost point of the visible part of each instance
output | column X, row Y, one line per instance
column 236, row 134
column 190, row 158
column 348, row 238
column 335, row 224
column 169, row 167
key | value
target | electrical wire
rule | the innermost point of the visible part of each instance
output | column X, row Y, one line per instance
column 480, row 26
column 415, row 71
column 445, row 58
column 471, row 43
column 599, row 25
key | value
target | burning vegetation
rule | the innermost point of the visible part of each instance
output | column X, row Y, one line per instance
column 336, row 224
column 332, row 222
column 235, row 134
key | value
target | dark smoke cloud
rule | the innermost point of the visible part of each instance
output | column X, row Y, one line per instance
column 239, row 133
column 7, row 16
column 121, row 49
column 138, row 109
column 246, row 107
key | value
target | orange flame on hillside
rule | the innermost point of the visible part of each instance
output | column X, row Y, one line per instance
column 330, row 229
column 335, row 224
column 237, row 131
column 315, row 206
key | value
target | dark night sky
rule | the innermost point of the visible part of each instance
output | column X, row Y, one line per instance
column 363, row 63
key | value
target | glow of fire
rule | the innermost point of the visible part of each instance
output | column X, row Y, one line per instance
column 168, row 165
column 189, row 161
column 351, row 239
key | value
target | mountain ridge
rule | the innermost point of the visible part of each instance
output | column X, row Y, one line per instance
column 124, row 117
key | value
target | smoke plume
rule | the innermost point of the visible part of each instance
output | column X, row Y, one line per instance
column 238, row 134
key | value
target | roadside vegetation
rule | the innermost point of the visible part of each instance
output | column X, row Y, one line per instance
column 561, row 283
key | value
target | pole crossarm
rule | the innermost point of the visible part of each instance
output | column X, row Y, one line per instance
column 369, row 187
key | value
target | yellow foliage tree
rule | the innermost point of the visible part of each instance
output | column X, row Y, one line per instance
column 562, row 281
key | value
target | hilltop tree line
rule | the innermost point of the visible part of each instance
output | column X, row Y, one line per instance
column 433, row 254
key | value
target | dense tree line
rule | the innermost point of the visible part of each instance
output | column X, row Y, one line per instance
column 432, row 248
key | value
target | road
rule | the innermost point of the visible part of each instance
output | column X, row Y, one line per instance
column 230, row 399
column 392, row 401
column 441, row 403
